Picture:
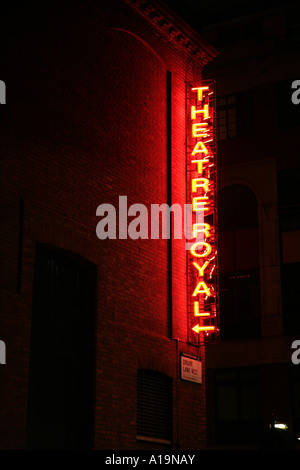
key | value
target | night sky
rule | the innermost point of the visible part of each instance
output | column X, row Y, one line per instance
column 199, row 13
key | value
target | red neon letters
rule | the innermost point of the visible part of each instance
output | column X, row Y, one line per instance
column 201, row 194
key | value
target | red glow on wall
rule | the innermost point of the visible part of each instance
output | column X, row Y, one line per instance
column 202, row 272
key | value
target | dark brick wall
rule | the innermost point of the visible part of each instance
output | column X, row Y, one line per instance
column 86, row 122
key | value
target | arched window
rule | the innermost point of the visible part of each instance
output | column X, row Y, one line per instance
column 60, row 396
column 238, row 263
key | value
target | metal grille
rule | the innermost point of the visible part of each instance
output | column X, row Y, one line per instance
column 154, row 405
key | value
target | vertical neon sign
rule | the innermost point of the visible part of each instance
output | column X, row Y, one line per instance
column 202, row 272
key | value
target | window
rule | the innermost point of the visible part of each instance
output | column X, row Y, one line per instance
column 295, row 399
column 234, row 115
column 154, row 407
column 290, row 278
column 226, row 117
column 289, row 225
column 60, row 397
column 239, row 304
column 293, row 29
column 289, row 199
column 237, row 406
column 239, row 280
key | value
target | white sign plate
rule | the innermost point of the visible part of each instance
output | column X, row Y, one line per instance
column 191, row 369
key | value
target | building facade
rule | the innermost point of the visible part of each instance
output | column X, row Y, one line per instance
column 253, row 374
column 95, row 328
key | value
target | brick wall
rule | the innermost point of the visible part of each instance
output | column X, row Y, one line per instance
column 86, row 122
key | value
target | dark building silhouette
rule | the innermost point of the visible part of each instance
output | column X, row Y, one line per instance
column 251, row 374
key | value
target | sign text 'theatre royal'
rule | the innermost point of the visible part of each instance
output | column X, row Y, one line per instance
column 202, row 280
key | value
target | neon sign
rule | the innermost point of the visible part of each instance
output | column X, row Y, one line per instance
column 202, row 273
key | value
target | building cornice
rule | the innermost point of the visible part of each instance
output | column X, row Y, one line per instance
column 173, row 30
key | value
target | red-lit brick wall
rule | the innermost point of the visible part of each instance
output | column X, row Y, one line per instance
column 85, row 123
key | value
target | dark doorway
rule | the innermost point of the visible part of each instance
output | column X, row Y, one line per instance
column 60, row 395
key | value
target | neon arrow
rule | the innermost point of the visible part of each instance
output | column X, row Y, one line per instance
column 199, row 328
